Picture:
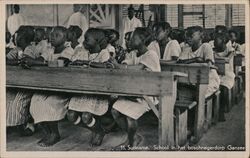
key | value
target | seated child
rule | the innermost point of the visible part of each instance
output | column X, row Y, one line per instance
column 40, row 42
column 86, row 110
column 200, row 52
column 7, row 42
column 73, row 34
column 232, row 44
column 227, row 80
column 218, row 29
column 126, row 111
column 23, row 45
column 18, row 102
column 49, row 108
column 167, row 48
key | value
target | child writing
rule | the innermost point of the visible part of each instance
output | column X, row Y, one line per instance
column 167, row 48
column 126, row 111
column 227, row 80
column 18, row 102
column 200, row 52
column 49, row 108
column 86, row 110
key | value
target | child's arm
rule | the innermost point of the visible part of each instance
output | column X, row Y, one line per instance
column 189, row 61
column 32, row 62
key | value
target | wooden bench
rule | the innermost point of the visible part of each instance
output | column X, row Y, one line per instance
column 198, row 75
column 105, row 82
column 181, row 120
column 239, row 79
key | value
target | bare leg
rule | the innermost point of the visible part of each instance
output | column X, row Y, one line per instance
column 95, row 126
column 54, row 136
column 46, row 132
column 133, row 138
column 223, row 102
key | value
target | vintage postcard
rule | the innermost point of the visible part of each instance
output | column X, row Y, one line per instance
column 162, row 78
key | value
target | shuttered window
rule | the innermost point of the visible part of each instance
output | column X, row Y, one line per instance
column 238, row 15
column 171, row 14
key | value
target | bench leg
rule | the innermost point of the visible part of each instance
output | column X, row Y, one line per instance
column 216, row 106
column 166, row 120
column 200, row 112
column 208, row 114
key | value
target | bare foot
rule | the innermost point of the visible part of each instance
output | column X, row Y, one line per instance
column 98, row 138
column 53, row 138
column 137, row 140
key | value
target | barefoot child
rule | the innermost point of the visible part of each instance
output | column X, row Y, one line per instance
column 49, row 108
column 18, row 102
column 126, row 111
column 227, row 80
column 86, row 110
column 200, row 52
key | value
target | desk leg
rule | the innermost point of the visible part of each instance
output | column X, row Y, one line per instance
column 200, row 112
column 166, row 120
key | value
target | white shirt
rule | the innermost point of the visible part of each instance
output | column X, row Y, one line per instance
column 172, row 49
column 14, row 22
column 79, row 19
column 130, row 25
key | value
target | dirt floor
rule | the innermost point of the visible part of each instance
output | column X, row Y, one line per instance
column 231, row 132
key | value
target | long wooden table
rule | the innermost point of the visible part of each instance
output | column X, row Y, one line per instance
column 107, row 82
column 198, row 75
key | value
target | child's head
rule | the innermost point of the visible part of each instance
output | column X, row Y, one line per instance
column 95, row 40
column 58, row 36
column 16, row 8
column 128, row 40
column 141, row 36
column 24, row 36
column 131, row 12
column 39, row 35
column 7, row 37
column 194, row 35
column 161, row 30
column 112, row 36
column 232, row 35
column 220, row 29
column 48, row 33
column 74, row 33
column 177, row 34
column 220, row 41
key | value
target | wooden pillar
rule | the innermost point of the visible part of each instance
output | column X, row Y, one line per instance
column 228, row 19
column 162, row 12
column 180, row 15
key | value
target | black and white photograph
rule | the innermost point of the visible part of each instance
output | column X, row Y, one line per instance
column 131, row 77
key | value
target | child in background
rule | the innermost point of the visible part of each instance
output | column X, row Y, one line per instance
column 227, row 80
column 7, row 42
column 40, row 42
column 49, row 108
column 232, row 44
column 18, row 102
column 126, row 111
column 178, row 35
column 218, row 29
column 73, row 34
column 87, row 110
column 200, row 52
column 166, row 48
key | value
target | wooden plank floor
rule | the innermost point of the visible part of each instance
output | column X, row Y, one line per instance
column 231, row 132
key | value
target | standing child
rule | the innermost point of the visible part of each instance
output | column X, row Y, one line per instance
column 87, row 109
column 166, row 48
column 126, row 111
column 200, row 52
column 227, row 80
column 47, row 108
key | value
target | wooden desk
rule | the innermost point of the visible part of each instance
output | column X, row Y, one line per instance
column 198, row 74
column 107, row 82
